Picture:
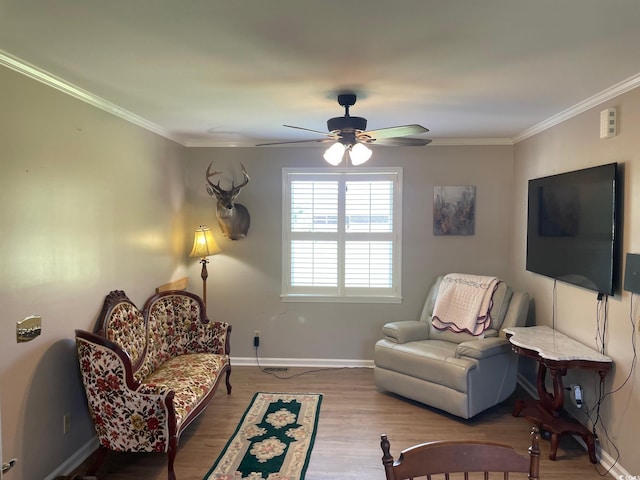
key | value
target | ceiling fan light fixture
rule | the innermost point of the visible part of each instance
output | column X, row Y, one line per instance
column 359, row 154
column 334, row 153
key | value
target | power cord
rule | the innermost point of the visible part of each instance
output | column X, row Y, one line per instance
column 602, row 305
column 281, row 377
column 553, row 303
column 603, row 396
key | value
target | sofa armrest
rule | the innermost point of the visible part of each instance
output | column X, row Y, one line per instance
column 404, row 332
column 127, row 415
column 483, row 348
column 517, row 313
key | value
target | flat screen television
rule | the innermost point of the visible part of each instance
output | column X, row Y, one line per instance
column 571, row 228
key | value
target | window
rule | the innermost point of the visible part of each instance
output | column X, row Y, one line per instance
column 341, row 235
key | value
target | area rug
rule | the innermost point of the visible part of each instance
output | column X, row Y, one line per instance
column 273, row 440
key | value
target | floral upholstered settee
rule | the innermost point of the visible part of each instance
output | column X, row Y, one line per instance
column 148, row 374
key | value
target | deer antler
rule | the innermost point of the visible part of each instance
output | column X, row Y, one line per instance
column 235, row 189
column 212, row 174
column 217, row 190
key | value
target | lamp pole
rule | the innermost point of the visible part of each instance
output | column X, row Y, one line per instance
column 204, row 275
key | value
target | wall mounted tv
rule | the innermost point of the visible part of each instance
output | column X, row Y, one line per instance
column 571, row 228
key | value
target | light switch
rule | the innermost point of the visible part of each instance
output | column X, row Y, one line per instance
column 28, row 328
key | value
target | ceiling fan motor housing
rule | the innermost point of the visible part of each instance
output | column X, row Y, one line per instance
column 347, row 124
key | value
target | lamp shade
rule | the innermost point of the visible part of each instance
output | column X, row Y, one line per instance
column 203, row 243
column 359, row 154
column 334, row 153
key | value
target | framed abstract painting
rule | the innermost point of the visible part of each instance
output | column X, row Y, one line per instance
column 454, row 210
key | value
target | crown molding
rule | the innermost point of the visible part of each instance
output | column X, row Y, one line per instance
column 604, row 96
column 59, row 84
column 214, row 143
column 447, row 142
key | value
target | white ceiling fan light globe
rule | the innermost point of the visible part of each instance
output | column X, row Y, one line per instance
column 334, row 154
column 359, row 154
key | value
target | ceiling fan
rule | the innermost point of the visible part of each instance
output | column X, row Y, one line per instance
column 350, row 134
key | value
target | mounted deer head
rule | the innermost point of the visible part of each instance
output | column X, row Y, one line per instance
column 233, row 218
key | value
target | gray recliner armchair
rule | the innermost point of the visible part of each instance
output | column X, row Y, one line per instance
column 455, row 372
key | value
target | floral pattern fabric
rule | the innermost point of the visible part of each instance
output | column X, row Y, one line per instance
column 190, row 376
column 125, row 419
column 126, row 327
column 183, row 358
column 175, row 328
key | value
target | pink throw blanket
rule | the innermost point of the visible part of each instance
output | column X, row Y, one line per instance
column 464, row 303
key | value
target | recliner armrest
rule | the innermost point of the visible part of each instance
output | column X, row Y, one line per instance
column 483, row 348
column 407, row 331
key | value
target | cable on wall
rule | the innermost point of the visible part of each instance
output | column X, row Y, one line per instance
column 603, row 396
column 602, row 312
column 554, row 299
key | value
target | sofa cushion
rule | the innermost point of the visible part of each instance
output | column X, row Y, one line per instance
column 190, row 376
column 431, row 360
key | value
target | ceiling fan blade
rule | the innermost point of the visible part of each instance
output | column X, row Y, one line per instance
column 401, row 142
column 308, row 130
column 317, row 140
column 399, row 131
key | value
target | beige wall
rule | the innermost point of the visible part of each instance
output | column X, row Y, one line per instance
column 244, row 281
column 572, row 145
column 90, row 203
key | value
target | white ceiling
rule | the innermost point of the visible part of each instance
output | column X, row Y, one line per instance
column 224, row 73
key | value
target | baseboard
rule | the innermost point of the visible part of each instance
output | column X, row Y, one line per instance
column 606, row 461
column 74, row 461
column 301, row 362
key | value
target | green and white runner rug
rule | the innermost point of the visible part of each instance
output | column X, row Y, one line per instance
column 273, row 440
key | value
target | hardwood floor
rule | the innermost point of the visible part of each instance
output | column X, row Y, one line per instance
column 353, row 415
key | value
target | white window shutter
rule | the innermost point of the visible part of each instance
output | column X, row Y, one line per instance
column 341, row 234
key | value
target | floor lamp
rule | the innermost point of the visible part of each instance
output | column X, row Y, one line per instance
column 204, row 245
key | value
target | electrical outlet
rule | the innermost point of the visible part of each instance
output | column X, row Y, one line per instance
column 66, row 423
column 576, row 394
column 256, row 338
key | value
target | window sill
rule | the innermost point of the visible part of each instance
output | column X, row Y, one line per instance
column 335, row 299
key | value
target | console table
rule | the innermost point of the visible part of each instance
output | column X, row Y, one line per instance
column 555, row 353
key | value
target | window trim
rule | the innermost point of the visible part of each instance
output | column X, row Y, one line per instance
column 365, row 295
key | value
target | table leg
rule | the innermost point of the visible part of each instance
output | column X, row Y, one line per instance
column 551, row 402
column 518, row 407
column 553, row 448
column 591, row 447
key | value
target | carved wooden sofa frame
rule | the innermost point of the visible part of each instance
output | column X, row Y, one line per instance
column 148, row 374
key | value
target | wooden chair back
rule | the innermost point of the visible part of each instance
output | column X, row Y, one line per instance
column 440, row 459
